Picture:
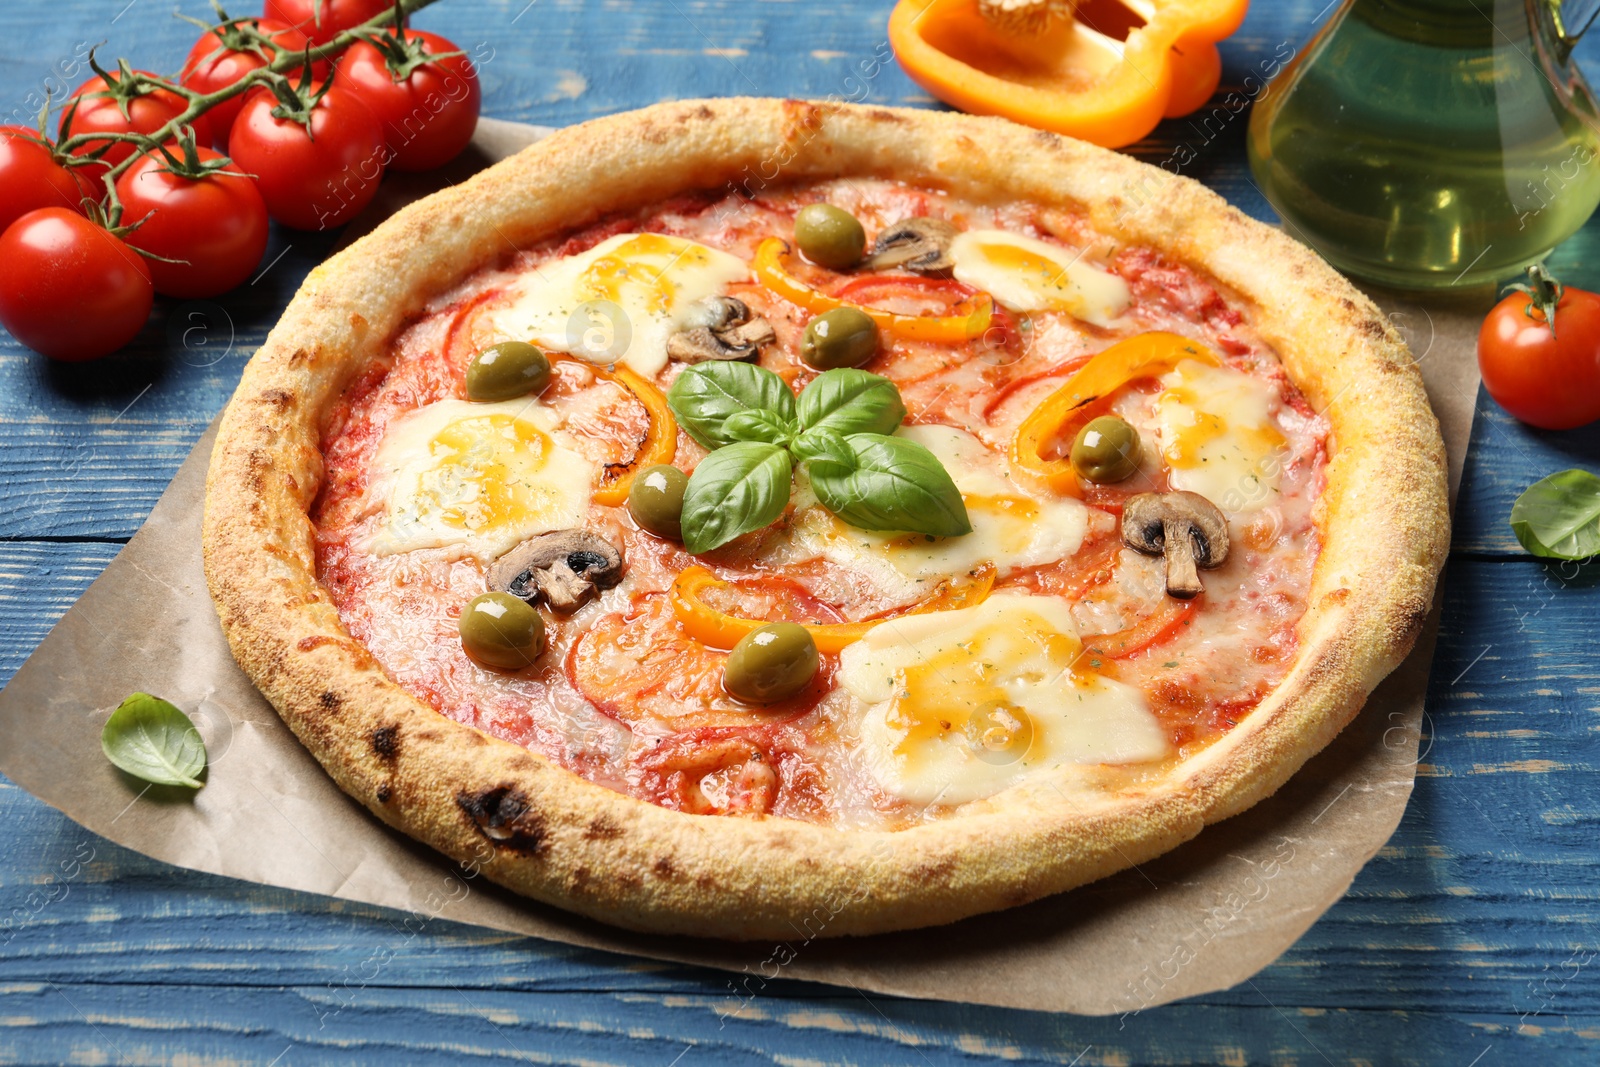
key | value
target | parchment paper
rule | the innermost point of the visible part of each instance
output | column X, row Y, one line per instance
column 1203, row 917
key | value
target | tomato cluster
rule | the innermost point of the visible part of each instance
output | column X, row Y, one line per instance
column 156, row 186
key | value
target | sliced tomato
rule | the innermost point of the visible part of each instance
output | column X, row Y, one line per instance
column 1160, row 626
column 640, row 666
column 712, row 772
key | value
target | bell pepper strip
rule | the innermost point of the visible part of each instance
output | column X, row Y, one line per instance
column 1160, row 625
column 1136, row 357
column 718, row 629
column 1065, row 74
column 660, row 442
column 970, row 319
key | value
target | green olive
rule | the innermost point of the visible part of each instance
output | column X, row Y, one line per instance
column 1106, row 450
column 842, row 337
column 655, row 500
column 829, row 236
column 501, row 631
column 506, row 371
column 771, row 663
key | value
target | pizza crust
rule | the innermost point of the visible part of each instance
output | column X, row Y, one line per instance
column 547, row 833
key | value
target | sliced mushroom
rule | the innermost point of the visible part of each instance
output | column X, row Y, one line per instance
column 916, row 244
column 565, row 567
column 725, row 330
column 1185, row 527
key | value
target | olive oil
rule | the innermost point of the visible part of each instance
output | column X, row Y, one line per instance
column 1423, row 144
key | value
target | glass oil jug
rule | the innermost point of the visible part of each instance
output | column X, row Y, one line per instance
column 1425, row 144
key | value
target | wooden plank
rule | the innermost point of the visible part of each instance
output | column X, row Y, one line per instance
column 103, row 1023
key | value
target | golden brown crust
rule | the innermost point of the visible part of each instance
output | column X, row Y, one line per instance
column 548, row 833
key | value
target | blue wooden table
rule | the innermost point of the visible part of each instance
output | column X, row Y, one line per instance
column 1472, row 939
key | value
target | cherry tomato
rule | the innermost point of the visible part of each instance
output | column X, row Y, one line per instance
column 428, row 117
column 323, row 20
column 317, row 181
column 97, row 111
column 1549, row 380
column 70, row 289
column 220, row 58
column 216, row 225
column 30, row 178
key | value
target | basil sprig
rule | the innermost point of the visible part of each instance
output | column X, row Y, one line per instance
column 1559, row 517
column 840, row 430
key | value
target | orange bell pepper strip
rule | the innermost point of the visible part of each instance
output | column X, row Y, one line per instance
column 717, row 629
column 1066, row 75
column 771, row 267
column 1136, row 357
column 660, row 443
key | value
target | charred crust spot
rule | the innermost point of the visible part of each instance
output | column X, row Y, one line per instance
column 279, row 398
column 503, row 816
column 666, row 870
column 601, row 828
column 329, row 701
column 880, row 115
column 703, row 112
column 386, row 742
column 1373, row 328
column 384, row 793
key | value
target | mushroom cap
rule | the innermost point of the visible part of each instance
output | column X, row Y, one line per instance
column 725, row 330
column 565, row 567
column 1149, row 519
column 918, row 244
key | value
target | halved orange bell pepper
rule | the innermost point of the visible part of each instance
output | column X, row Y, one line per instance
column 660, row 443
column 717, row 629
column 771, row 267
column 1069, row 76
column 1136, row 357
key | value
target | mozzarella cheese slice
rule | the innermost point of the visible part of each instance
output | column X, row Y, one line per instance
column 619, row 301
column 483, row 477
column 1029, row 275
column 963, row 704
column 1010, row 528
column 1216, row 432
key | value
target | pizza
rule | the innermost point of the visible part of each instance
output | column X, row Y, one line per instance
column 734, row 509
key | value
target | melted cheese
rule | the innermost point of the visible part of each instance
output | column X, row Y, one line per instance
column 620, row 300
column 480, row 476
column 962, row 704
column 1029, row 275
column 1010, row 528
column 1216, row 432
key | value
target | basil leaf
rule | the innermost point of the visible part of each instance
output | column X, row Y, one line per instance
column 736, row 489
column 706, row 395
column 1559, row 517
column 895, row 484
column 849, row 401
column 759, row 426
column 154, row 741
column 822, row 444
